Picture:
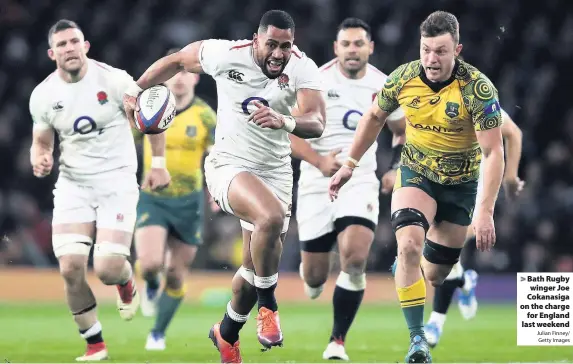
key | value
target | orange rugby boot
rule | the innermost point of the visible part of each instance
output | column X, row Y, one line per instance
column 94, row 352
column 229, row 353
column 269, row 328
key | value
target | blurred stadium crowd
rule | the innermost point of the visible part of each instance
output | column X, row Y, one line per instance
column 524, row 47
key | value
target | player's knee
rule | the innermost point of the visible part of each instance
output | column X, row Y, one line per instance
column 315, row 275
column 174, row 277
column 271, row 221
column 150, row 265
column 73, row 271
column 109, row 261
column 109, row 269
column 354, row 262
column 410, row 248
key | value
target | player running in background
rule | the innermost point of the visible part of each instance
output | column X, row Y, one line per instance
column 465, row 280
column 350, row 83
column 453, row 122
column 96, row 193
column 249, row 171
column 169, row 222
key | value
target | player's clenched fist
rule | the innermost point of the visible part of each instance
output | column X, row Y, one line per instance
column 265, row 117
column 156, row 179
column 388, row 180
column 42, row 164
column 328, row 164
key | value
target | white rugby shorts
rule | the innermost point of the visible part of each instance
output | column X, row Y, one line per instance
column 109, row 202
column 220, row 172
column 316, row 214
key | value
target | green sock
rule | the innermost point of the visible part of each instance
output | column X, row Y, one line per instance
column 152, row 281
column 167, row 306
column 412, row 300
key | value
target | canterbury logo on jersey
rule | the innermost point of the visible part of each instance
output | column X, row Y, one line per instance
column 235, row 76
column 333, row 94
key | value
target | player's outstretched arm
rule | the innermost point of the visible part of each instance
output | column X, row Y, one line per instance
column 491, row 144
column 513, row 137
column 327, row 164
column 311, row 114
column 165, row 68
column 160, row 71
column 158, row 176
column 41, row 152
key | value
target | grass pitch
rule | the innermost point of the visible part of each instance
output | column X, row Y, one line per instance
column 47, row 333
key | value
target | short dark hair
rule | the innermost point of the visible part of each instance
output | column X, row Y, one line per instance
column 355, row 23
column 277, row 18
column 60, row 25
column 170, row 51
column 441, row 22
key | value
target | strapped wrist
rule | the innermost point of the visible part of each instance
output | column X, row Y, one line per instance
column 158, row 162
column 351, row 163
column 290, row 123
column 133, row 90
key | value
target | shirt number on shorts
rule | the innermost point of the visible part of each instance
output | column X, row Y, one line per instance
column 350, row 119
column 85, row 125
column 245, row 104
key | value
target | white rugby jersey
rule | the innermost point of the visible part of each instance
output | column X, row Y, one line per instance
column 88, row 116
column 346, row 100
column 241, row 82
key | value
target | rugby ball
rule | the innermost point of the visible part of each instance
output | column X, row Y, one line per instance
column 156, row 110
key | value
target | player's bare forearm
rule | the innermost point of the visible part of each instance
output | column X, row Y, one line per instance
column 157, row 142
column 493, row 175
column 167, row 67
column 513, row 145
column 308, row 126
column 42, row 142
column 369, row 126
column 398, row 140
column 491, row 143
column 310, row 116
column 301, row 149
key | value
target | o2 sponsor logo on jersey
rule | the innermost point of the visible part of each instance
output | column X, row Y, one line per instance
column 245, row 104
column 85, row 125
column 351, row 118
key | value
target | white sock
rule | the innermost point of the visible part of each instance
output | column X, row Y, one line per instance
column 437, row 318
column 234, row 315
column 351, row 282
column 266, row 282
column 92, row 331
column 467, row 286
